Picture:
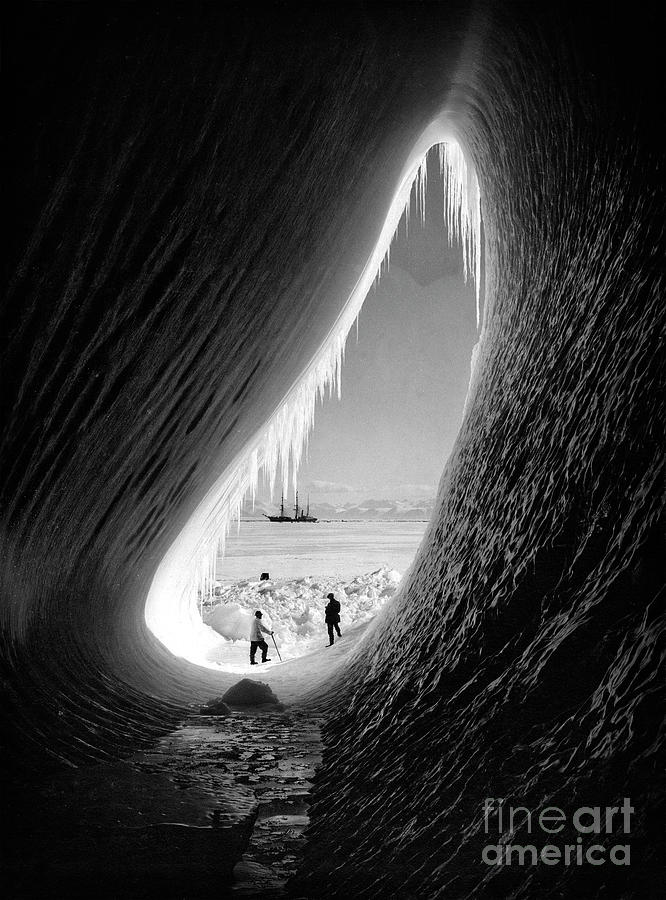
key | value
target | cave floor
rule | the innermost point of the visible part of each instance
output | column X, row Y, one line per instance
column 217, row 808
column 268, row 760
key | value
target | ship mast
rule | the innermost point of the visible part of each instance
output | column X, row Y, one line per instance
column 296, row 507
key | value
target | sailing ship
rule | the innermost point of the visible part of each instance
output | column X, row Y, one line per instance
column 303, row 516
column 299, row 514
column 281, row 517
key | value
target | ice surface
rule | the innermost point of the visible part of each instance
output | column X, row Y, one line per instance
column 340, row 549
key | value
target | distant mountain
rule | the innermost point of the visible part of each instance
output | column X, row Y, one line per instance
column 388, row 510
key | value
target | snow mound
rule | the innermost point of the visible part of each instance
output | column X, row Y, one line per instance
column 294, row 609
column 232, row 621
column 251, row 693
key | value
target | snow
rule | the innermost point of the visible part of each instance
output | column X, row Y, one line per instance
column 232, row 621
column 293, row 609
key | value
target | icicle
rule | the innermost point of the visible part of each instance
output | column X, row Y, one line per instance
column 462, row 212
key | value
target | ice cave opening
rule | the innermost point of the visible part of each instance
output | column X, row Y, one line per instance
column 191, row 608
column 189, row 189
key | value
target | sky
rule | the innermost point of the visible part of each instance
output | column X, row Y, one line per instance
column 404, row 379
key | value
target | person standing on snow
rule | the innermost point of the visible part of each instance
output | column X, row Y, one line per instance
column 256, row 639
column 332, row 618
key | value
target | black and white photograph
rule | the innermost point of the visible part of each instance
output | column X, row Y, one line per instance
column 332, row 546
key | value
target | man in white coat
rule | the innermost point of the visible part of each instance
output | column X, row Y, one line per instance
column 256, row 639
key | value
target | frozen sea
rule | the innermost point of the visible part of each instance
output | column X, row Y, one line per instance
column 344, row 549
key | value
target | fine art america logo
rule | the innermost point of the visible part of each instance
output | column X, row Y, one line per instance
column 578, row 849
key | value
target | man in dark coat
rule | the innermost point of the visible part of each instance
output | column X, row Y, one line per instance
column 332, row 618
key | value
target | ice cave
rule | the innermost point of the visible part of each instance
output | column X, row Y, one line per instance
column 200, row 199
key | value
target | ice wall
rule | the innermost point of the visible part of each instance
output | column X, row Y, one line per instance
column 520, row 665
